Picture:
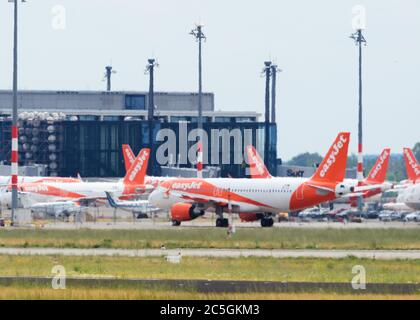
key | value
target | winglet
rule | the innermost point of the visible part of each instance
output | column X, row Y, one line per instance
column 411, row 164
column 378, row 172
column 128, row 155
column 110, row 199
column 137, row 173
column 333, row 166
column 257, row 166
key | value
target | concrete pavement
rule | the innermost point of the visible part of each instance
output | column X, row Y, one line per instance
column 219, row 253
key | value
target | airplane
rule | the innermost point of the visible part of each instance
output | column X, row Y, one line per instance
column 135, row 206
column 256, row 199
column 376, row 177
column 412, row 166
column 87, row 192
column 129, row 157
column 408, row 190
column 408, row 199
column 57, row 209
column 5, row 180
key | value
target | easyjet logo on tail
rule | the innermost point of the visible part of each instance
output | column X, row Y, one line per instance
column 257, row 164
column 129, row 155
column 384, row 156
column 412, row 162
column 138, row 165
column 332, row 157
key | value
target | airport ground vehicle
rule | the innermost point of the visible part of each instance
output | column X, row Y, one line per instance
column 256, row 199
column 313, row 214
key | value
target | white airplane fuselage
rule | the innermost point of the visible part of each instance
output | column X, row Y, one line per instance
column 244, row 195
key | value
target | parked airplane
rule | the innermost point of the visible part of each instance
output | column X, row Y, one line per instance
column 408, row 199
column 408, row 190
column 87, row 192
column 255, row 199
column 376, row 176
column 135, row 206
column 412, row 166
column 58, row 209
column 5, row 180
column 128, row 161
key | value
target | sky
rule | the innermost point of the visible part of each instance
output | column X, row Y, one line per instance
column 309, row 40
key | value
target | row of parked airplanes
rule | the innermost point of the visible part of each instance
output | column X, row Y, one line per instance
column 259, row 198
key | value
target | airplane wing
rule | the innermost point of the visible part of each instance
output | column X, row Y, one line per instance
column 368, row 187
column 322, row 188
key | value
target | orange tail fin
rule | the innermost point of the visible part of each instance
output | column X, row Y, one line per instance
column 333, row 166
column 128, row 155
column 258, row 168
column 378, row 172
column 137, row 173
column 411, row 164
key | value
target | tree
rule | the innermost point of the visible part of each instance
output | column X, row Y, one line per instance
column 306, row 159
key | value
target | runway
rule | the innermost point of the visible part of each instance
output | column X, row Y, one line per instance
column 220, row 253
column 208, row 223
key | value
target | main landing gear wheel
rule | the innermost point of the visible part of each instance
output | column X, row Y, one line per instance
column 176, row 223
column 267, row 222
column 222, row 223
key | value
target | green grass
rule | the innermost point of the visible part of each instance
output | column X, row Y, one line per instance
column 38, row 293
column 246, row 238
column 258, row 269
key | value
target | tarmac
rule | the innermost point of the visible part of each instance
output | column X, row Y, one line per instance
column 208, row 223
column 219, row 253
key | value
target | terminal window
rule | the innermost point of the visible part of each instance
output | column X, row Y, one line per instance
column 135, row 102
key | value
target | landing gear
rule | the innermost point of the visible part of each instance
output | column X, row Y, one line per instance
column 176, row 223
column 222, row 223
column 267, row 222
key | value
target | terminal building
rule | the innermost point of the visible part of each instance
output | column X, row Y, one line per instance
column 81, row 132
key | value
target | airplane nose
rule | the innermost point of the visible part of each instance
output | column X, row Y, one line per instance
column 154, row 198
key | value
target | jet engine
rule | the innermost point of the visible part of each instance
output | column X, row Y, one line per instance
column 185, row 212
column 342, row 189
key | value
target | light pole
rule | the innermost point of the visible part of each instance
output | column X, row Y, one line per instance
column 199, row 36
column 15, row 159
column 150, row 69
column 274, row 70
column 360, row 41
column 267, row 73
column 108, row 73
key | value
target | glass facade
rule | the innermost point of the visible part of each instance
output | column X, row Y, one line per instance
column 135, row 102
column 93, row 148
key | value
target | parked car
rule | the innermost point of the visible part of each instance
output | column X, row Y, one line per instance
column 387, row 215
column 371, row 215
column 414, row 216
